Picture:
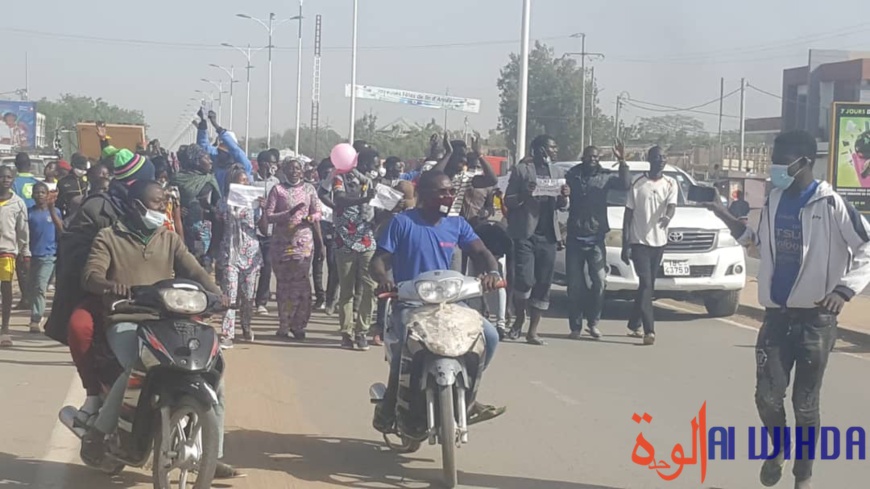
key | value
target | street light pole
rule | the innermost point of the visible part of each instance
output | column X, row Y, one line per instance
column 220, row 87
column 298, row 84
column 231, row 72
column 270, row 27
column 353, row 72
column 247, row 53
column 524, row 81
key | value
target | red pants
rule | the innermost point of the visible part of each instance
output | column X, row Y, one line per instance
column 84, row 323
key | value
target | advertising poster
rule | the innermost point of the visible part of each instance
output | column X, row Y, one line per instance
column 18, row 124
column 850, row 153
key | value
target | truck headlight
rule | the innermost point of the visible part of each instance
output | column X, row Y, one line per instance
column 613, row 239
column 726, row 240
column 181, row 301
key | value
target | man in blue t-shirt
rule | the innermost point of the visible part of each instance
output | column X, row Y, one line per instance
column 24, row 181
column 45, row 224
column 422, row 240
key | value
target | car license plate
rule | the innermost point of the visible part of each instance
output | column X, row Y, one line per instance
column 677, row 269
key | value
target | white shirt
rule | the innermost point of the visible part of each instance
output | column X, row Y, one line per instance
column 649, row 200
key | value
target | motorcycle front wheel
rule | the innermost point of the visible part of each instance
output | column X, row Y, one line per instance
column 448, row 434
column 187, row 445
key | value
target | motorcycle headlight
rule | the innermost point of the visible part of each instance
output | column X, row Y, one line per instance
column 726, row 240
column 440, row 291
column 613, row 239
column 181, row 301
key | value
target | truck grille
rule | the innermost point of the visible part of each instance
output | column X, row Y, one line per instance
column 680, row 241
column 695, row 271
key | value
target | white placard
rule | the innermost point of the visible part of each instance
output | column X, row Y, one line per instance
column 548, row 187
column 386, row 198
column 244, row 195
column 52, row 186
column 420, row 99
column 503, row 183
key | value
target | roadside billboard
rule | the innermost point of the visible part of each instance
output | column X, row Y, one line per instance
column 17, row 124
column 420, row 99
column 849, row 168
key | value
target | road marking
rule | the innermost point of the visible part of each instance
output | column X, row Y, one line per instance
column 63, row 446
column 744, row 326
column 558, row 395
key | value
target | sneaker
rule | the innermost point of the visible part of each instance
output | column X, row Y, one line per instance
column 34, row 328
column 5, row 341
column 319, row 305
column 362, row 343
column 226, row 344
column 248, row 336
column 575, row 335
column 262, row 311
column 771, row 472
column 634, row 333
column 593, row 331
column 377, row 340
column 649, row 339
column 347, row 342
column 50, row 288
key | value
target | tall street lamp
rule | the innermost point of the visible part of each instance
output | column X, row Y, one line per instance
column 269, row 25
column 524, row 81
column 247, row 53
column 353, row 72
column 231, row 73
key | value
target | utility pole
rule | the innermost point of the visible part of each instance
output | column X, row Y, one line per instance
column 298, row 84
column 721, row 103
column 592, row 108
column 353, row 71
column 583, row 55
column 315, row 86
column 524, row 82
column 616, row 120
column 742, row 121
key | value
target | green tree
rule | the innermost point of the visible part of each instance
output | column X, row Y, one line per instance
column 670, row 131
column 68, row 110
column 554, row 102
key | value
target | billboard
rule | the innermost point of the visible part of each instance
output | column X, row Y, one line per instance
column 17, row 124
column 850, row 153
column 428, row 100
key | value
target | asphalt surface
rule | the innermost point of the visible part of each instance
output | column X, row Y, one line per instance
column 299, row 416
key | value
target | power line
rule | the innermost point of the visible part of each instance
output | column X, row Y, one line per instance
column 188, row 45
column 661, row 108
column 765, row 92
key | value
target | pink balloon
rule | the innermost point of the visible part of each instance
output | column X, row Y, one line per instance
column 343, row 158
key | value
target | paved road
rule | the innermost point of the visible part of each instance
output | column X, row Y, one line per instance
column 299, row 417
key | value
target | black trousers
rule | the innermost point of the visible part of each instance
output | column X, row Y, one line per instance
column 331, row 293
column 584, row 261
column 647, row 261
column 802, row 340
column 264, row 286
column 534, row 263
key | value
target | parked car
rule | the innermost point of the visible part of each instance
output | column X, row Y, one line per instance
column 701, row 259
column 38, row 164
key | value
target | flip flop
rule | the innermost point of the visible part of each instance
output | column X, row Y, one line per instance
column 482, row 413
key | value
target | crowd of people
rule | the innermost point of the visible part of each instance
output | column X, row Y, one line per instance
column 137, row 217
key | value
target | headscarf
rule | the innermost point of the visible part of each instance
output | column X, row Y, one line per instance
column 191, row 180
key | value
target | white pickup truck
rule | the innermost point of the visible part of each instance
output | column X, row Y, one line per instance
column 701, row 259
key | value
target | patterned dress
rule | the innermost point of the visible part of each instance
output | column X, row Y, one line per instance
column 240, row 260
column 294, row 210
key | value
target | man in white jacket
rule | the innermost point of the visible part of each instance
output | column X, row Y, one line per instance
column 814, row 258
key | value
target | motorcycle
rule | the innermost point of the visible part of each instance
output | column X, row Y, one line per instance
column 168, row 406
column 442, row 360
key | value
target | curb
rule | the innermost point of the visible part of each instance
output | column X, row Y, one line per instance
column 843, row 332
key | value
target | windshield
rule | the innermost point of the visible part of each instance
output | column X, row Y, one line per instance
column 617, row 198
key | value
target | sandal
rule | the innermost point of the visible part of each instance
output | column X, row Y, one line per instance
column 482, row 412
column 535, row 340
column 5, row 341
column 227, row 471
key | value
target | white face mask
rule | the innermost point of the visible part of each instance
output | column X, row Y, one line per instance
column 78, row 172
column 153, row 219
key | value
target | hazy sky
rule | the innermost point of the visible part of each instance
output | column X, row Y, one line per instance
column 152, row 55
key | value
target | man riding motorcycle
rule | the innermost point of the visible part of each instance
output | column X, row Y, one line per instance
column 137, row 250
column 421, row 240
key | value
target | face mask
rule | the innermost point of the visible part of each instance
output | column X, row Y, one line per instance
column 79, row 173
column 372, row 174
column 382, row 172
column 444, row 204
column 779, row 176
column 153, row 219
